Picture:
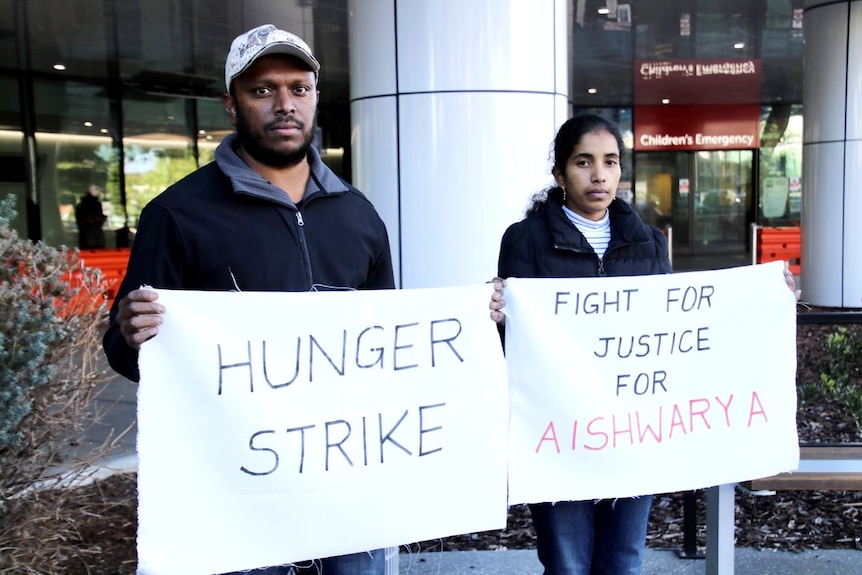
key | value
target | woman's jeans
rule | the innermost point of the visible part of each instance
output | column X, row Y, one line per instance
column 607, row 537
column 364, row 563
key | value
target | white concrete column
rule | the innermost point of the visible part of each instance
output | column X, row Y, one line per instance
column 832, row 155
column 454, row 106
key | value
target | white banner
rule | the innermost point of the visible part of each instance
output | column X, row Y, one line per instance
column 628, row 386
column 279, row 427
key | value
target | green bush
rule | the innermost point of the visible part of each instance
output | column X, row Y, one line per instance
column 50, row 326
column 841, row 372
column 29, row 327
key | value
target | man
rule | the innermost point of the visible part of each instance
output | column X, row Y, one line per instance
column 267, row 215
column 90, row 219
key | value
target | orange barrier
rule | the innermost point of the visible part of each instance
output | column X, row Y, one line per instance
column 85, row 292
column 779, row 244
column 112, row 263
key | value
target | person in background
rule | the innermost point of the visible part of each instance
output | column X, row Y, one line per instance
column 89, row 217
column 267, row 215
column 578, row 228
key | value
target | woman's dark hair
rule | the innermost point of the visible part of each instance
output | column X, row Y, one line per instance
column 568, row 137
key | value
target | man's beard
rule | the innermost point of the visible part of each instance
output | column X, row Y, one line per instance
column 254, row 147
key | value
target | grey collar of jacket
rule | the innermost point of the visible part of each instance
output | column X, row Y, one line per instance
column 244, row 180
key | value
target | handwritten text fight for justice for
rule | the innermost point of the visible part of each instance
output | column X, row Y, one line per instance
column 637, row 426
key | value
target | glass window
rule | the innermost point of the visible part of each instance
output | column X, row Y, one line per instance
column 213, row 126
column 169, row 51
column 780, row 197
column 76, row 160
column 157, row 146
column 703, row 29
column 720, row 200
column 601, row 42
column 662, row 190
column 13, row 172
column 719, row 24
column 69, row 33
column 8, row 35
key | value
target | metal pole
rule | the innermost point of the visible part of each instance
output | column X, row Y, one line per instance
column 689, row 527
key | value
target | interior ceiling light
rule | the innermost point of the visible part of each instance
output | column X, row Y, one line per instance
column 665, row 101
column 59, row 67
column 591, row 91
column 604, row 11
column 739, row 45
column 88, row 124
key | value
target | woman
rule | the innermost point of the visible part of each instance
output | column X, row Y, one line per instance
column 579, row 229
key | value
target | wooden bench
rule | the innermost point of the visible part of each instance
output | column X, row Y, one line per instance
column 822, row 467
column 778, row 244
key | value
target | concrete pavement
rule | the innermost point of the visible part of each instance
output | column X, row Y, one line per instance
column 657, row 562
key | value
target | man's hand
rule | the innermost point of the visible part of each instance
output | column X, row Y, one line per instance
column 497, row 302
column 139, row 316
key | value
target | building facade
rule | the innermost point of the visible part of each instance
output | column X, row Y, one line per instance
column 444, row 112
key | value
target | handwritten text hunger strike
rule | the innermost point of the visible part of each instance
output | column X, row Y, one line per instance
column 341, row 443
column 364, row 442
column 399, row 347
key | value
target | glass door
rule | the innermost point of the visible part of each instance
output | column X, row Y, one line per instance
column 662, row 190
column 705, row 197
column 721, row 200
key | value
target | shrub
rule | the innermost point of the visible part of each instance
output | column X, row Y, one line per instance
column 49, row 369
column 840, row 376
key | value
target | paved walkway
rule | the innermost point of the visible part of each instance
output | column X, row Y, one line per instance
column 657, row 562
column 117, row 406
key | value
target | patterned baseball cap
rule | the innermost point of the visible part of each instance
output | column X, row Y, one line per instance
column 266, row 39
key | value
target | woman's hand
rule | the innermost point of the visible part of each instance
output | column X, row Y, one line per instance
column 791, row 282
column 497, row 302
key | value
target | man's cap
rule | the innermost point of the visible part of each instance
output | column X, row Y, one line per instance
column 266, row 39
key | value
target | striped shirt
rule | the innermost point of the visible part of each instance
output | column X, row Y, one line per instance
column 598, row 233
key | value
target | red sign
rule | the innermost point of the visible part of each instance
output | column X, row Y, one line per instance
column 696, row 128
column 696, row 82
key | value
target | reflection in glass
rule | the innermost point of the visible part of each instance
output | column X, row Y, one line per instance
column 8, row 41
column 13, row 171
column 723, row 191
column 75, row 152
column 157, row 148
column 213, row 126
column 71, row 33
column 12, row 177
column 780, row 166
column 661, row 192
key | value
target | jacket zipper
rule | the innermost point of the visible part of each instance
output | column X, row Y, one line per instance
column 601, row 261
column 602, row 272
column 300, row 223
